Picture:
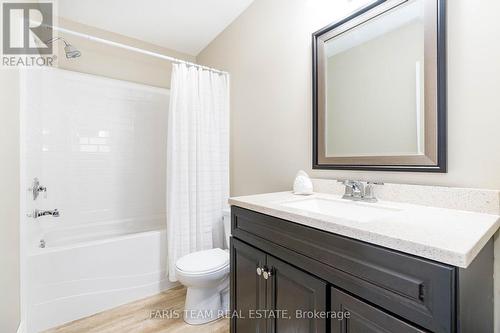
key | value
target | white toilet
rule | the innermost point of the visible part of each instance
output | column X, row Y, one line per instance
column 206, row 276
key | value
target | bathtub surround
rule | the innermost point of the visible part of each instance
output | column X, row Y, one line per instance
column 197, row 169
column 85, row 140
column 87, row 136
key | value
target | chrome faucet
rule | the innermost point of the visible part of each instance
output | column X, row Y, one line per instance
column 359, row 191
column 39, row 213
column 36, row 189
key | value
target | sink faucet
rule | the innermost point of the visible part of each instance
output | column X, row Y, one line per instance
column 359, row 191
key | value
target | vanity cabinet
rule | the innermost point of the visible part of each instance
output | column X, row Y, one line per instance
column 281, row 265
column 247, row 287
column 272, row 296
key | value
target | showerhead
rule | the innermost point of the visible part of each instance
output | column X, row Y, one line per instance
column 71, row 51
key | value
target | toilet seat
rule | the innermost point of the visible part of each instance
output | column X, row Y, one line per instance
column 203, row 262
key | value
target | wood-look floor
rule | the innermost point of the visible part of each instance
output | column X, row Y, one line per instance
column 136, row 317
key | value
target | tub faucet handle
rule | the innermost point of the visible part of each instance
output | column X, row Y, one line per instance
column 37, row 188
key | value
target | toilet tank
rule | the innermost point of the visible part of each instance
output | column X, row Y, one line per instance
column 226, row 219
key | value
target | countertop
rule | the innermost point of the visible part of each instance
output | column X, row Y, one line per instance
column 449, row 236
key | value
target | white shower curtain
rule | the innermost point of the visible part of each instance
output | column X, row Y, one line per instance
column 197, row 161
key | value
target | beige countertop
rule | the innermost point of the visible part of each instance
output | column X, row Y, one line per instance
column 449, row 236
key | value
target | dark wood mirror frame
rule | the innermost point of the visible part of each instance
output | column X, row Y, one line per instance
column 435, row 155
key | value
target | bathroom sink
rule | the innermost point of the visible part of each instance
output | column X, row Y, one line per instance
column 352, row 210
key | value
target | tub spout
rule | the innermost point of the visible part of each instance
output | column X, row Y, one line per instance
column 39, row 213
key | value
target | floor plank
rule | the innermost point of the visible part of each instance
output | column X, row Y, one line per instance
column 136, row 317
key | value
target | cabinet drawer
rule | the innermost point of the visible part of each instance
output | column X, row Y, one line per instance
column 411, row 287
column 357, row 316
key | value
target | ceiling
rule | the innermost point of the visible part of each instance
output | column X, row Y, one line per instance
column 182, row 25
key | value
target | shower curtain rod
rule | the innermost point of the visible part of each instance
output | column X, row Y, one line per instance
column 135, row 49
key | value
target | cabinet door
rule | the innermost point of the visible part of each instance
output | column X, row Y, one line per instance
column 303, row 296
column 248, row 289
column 350, row 314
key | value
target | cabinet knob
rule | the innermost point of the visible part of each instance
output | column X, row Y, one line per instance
column 259, row 271
column 267, row 274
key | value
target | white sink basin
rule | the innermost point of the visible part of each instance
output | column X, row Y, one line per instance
column 352, row 210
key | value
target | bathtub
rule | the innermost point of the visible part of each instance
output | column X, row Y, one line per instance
column 85, row 270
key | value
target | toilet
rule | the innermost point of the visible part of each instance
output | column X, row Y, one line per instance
column 206, row 277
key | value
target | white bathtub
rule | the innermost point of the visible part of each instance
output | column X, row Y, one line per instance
column 73, row 276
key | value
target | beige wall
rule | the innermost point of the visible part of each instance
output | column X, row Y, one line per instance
column 113, row 62
column 9, row 201
column 267, row 50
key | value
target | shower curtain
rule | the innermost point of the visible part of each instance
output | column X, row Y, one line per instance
column 197, row 161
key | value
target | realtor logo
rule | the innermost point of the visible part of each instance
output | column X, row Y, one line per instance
column 26, row 28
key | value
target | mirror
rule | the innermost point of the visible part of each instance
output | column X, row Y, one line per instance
column 379, row 89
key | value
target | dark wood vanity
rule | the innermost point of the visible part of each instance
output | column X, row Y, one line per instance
column 337, row 284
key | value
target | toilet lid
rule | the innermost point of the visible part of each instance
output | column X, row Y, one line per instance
column 203, row 261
